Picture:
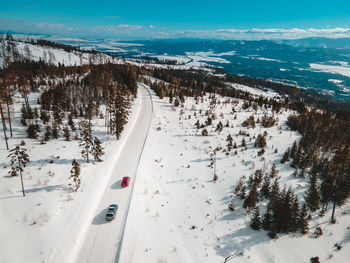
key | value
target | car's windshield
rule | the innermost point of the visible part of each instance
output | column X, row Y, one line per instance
column 109, row 215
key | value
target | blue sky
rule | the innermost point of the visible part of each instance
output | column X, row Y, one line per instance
column 182, row 18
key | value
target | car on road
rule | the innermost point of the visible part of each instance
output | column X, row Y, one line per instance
column 111, row 211
column 125, row 181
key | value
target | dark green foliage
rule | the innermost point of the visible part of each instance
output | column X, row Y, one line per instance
column 268, row 121
column 252, row 198
column 32, row 131
column 219, row 127
column 303, row 220
column 97, row 150
column 249, row 123
column 48, row 132
column 66, row 133
column 55, row 131
column 267, row 218
column 255, row 221
column 312, row 195
column 286, row 155
column 260, row 141
column 86, row 142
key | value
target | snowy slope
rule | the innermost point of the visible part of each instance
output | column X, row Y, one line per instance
column 179, row 214
column 55, row 55
column 49, row 223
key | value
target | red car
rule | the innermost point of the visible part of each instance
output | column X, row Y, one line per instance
column 125, row 181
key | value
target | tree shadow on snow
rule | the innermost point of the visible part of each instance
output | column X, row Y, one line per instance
column 48, row 188
column 240, row 240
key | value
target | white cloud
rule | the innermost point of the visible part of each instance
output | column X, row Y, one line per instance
column 151, row 26
column 116, row 29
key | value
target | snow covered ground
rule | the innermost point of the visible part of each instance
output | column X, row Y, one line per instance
column 49, row 223
column 179, row 214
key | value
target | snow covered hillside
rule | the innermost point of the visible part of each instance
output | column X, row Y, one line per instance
column 45, row 225
column 179, row 213
column 50, row 55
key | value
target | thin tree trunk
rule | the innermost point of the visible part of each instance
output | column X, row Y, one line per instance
column 335, row 199
column 8, row 112
column 3, row 127
column 22, row 183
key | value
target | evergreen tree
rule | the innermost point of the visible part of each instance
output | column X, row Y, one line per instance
column 86, row 140
column 75, row 174
column 66, row 133
column 273, row 171
column 97, row 150
column 243, row 144
column 121, row 111
column 47, row 134
column 265, row 188
column 312, row 196
column 295, row 215
column 219, row 127
column 260, row 141
column 252, row 198
column 54, row 131
column 285, row 157
column 293, row 150
column 18, row 160
column 267, row 218
column 303, row 220
column 255, row 221
column 32, row 132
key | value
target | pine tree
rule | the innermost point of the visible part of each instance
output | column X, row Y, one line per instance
column 75, row 174
column 255, row 221
column 243, row 144
column 219, row 127
column 54, row 131
column 293, row 150
column 47, row 134
column 32, row 132
column 18, row 160
column 273, row 171
column 295, row 215
column 66, row 133
column 86, row 140
column 285, row 157
column 312, row 196
column 267, row 218
column 97, row 150
column 265, row 188
column 251, row 199
column 303, row 220
column 121, row 111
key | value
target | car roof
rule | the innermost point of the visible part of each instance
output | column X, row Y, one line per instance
column 113, row 205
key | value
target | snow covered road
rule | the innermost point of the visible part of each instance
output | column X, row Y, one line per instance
column 103, row 238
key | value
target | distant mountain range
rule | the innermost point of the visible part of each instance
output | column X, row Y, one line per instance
column 319, row 64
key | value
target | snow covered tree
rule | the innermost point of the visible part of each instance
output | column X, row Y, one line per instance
column 86, row 140
column 255, row 221
column 96, row 150
column 18, row 160
column 75, row 174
